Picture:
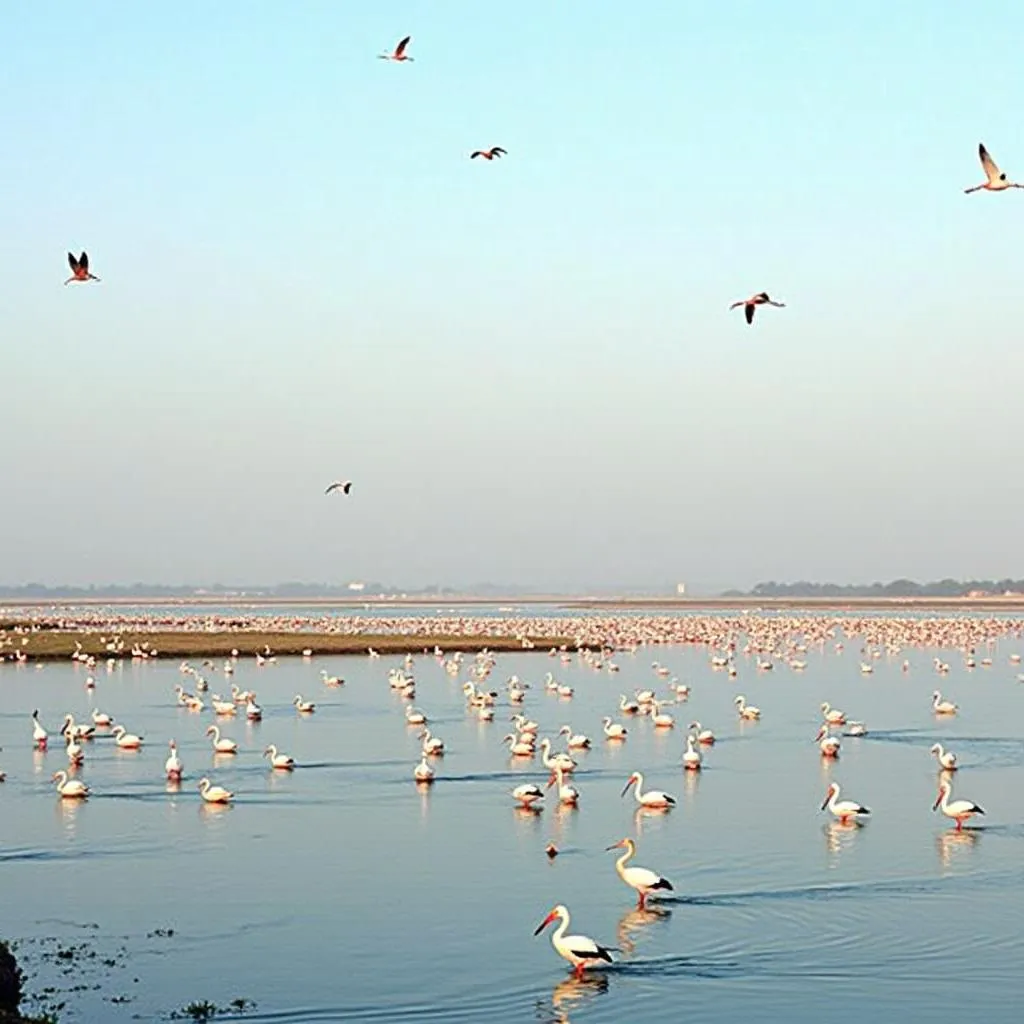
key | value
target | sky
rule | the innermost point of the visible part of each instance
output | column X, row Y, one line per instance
column 528, row 366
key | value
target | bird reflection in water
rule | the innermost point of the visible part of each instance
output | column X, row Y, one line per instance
column 68, row 811
column 634, row 921
column 212, row 811
column 839, row 836
column 951, row 842
column 571, row 995
column 691, row 780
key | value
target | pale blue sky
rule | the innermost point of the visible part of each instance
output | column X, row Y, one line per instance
column 526, row 366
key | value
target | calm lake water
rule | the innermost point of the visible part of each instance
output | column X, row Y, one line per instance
column 342, row 892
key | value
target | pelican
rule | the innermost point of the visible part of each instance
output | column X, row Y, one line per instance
column 576, row 741
column 563, row 760
column 101, row 719
column 518, row 746
column 339, row 485
column 126, row 740
column 280, row 761
column 946, row 758
column 528, row 794
column 652, row 798
column 943, row 707
column 749, row 305
column 614, row 730
column 640, row 879
column 423, row 772
column 958, row 810
column 703, row 735
column 73, row 790
column 39, row 734
column 221, row 746
column 214, row 794
column 580, row 950
column 844, row 810
column 566, row 794
column 996, row 178
column 827, row 743
column 691, row 756
column 432, row 745
column 747, row 711
column 173, row 767
column 304, row 707
column 832, row 715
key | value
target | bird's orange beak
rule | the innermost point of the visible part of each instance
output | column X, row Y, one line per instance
column 615, row 846
column 547, row 920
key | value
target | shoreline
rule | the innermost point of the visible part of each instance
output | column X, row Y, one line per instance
column 748, row 604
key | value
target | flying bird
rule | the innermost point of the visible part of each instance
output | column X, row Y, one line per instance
column 996, row 178
column 488, row 154
column 750, row 304
column 399, row 53
column 80, row 268
column 340, row 485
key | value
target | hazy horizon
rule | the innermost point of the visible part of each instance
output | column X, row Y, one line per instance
column 526, row 366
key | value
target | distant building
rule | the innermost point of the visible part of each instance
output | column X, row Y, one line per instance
column 680, row 590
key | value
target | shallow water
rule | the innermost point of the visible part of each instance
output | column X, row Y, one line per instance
column 342, row 892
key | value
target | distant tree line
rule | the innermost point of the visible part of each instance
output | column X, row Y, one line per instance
column 36, row 591
column 894, row 588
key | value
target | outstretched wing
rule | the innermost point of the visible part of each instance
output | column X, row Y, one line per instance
column 498, row 151
column 348, row 486
column 83, row 261
column 748, row 309
column 72, row 262
column 333, row 487
column 400, row 48
column 992, row 171
column 479, row 152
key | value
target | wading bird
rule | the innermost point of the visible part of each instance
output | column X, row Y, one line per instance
column 399, row 53
column 996, row 178
column 749, row 305
column 844, row 810
column 958, row 810
column 642, row 880
column 80, row 268
column 580, row 950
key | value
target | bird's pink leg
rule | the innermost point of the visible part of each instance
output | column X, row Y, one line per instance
column 959, row 824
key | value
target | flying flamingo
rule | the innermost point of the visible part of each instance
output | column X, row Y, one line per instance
column 340, row 485
column 399, row 53
column 80, row 268
column 760, row 299
column 996, row 178
column 488, row 154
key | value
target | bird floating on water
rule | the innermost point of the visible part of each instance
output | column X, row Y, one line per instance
column 946, row 758
column 80, row 268
column 749, row 305
column 399, row 51
column 996, row 179
column 489, row 154
column 214, row 794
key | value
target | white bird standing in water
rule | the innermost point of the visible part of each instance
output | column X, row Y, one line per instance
column 691, row 756
column 946, row 758
column 958, row 810
column 173, row 767
column 943, row 707
column 995, row 178
column 641, row 879
column 39, row 734
column 844, row 810
column 580, row 950
column 73, row 790
column 423, row 772
column 652, row 798
column 214, row 794
column 280, row 761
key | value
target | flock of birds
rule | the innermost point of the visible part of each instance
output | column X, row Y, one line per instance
column 523, row 746
column 995, row 181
